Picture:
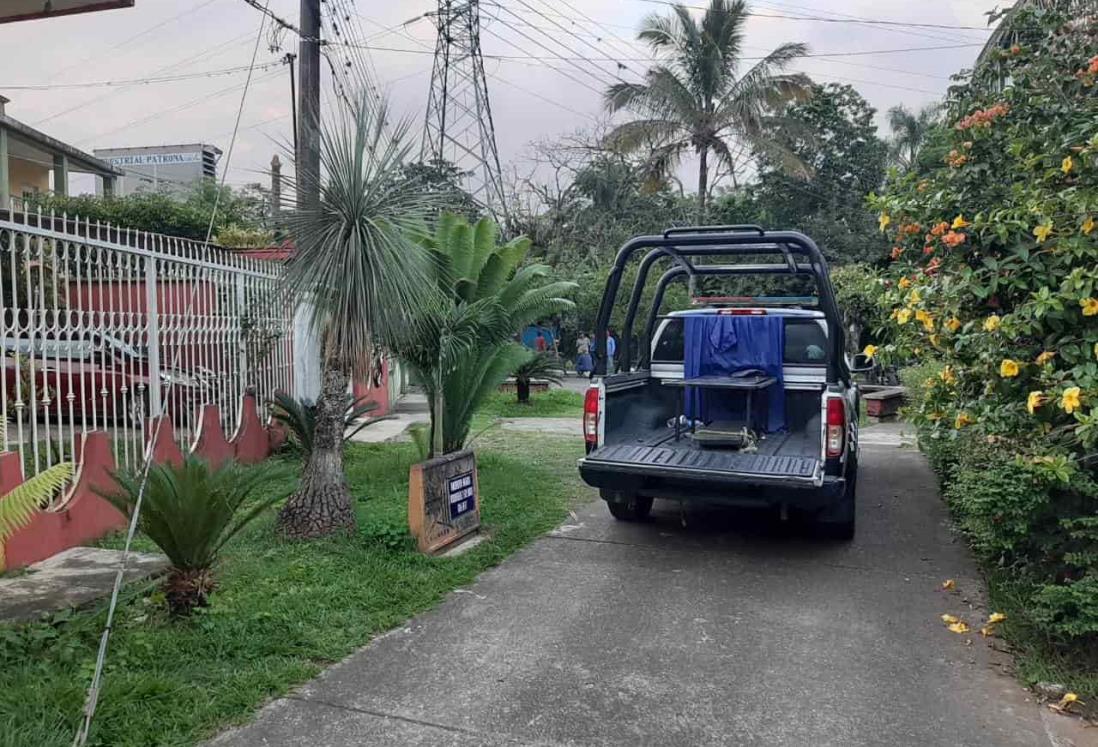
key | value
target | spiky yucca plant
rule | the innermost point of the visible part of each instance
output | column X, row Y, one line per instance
column 19, row 506
column 191, row 511
column 299, row 417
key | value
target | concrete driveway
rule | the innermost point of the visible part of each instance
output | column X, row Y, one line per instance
column 728, row 631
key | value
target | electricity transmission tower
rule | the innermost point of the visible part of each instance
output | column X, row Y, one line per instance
column 458, row 129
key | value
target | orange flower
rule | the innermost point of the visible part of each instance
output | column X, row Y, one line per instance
column 953, row 238
column 1093, row 67
column 928, row 249
column 933, row 266
column 896, row 252
column 939, row 228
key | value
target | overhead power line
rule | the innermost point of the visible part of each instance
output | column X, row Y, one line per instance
column 143, row 81
column 824, row 19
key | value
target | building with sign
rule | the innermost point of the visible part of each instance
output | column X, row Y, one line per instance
column 174, row 169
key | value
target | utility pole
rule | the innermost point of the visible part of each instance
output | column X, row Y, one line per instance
column 308, row 125
column 289, row 60
column 459, row 128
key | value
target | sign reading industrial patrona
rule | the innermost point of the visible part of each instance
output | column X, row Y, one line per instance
column 155, row 159
column 443, row 504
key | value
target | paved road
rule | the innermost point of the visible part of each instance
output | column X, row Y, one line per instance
column 728, row 631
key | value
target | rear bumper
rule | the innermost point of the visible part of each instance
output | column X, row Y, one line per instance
column 712, row 487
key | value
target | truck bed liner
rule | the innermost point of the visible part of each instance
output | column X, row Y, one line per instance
column 731, row 462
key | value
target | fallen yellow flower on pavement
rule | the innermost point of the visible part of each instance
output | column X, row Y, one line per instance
column 950, row 619
column 958, row 627
column 996, row 617
column 987, row 631
column 1066, row 701
column 949, row 584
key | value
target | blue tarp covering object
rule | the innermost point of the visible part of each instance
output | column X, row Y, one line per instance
column 724, row 345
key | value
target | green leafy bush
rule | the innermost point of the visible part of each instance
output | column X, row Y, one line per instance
column 994, row 287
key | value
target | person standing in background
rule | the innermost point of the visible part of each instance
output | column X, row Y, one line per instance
column 611, row 350
column 583, row 355
column 539, row 342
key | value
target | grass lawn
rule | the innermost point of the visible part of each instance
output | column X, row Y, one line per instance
column 282, row 612
column 556, row 403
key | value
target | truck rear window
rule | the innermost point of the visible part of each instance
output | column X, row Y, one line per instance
column 805, row 342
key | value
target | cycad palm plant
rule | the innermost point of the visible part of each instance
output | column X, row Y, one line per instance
column 543, row 366
column 191, row 511
column 18, row 506
column 363, row 276
column 463, row 348
column 698, row 100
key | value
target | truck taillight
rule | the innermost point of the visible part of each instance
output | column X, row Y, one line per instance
column 591, row 416
column 836, row 426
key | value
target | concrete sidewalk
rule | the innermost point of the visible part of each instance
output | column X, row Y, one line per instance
column 729, row 630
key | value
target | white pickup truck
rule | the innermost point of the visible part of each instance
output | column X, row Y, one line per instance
column 642, row 439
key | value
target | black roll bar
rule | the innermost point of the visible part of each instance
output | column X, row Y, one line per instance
column 716, row 240
column 715, row 229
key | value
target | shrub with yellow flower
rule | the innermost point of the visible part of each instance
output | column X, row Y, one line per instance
column 953, row 324
column 1071, row 400
column 992, row 323
column 870, row 351
column 1042, row 231
column 883, row 220
column 1089, row 306
column 960, row 222
column 1008, row 368
column 948, row 376
column 1034, row 400
column 1088, row 225
column 1045, row 358
column 903, row 316
column 962, row 419
column 926, row 319
column 1067, row 165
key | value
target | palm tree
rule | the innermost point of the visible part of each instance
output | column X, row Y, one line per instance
column 909, row 132
column 698, row 100
column 358, row 267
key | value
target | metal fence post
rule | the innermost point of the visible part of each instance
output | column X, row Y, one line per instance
column 153, row 327
column 240, row 314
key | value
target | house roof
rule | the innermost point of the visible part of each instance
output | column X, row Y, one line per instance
column 78, row 159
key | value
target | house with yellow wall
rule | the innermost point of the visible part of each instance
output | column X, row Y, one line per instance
column 33, row 163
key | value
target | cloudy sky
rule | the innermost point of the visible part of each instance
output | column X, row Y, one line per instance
column 582, row 45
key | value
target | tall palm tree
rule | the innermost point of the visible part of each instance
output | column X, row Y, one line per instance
column 909, row 132
column 698, row 99
column 360, row 270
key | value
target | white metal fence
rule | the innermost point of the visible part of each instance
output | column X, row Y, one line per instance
column 100, row 325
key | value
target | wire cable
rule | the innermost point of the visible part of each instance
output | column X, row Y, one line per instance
column 92, row 699
column 142, row 81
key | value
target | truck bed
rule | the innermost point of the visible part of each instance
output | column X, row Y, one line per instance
column 712, row 461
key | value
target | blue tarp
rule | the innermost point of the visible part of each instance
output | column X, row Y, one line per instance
column 716, row 345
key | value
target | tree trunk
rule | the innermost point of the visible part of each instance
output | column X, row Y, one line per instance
column 322, row 504
column 522, row 388
column 703, row 183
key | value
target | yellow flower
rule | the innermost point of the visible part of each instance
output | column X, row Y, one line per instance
column 960, row 222
column 958, row 627
column 992, row 323
column 996, row 618
column 1089, row 306
column 1096, row 350
column 935, row 340
column 947, row 375
column 883, row 220
column 1034, row 400
column 926, row 319
column 870, row 351
column 1088, row 225
column 904, row 282
column 1071, row 399
column 914, row 298
column 949, row 584
column 962, row 420
column 1045, row 357
column 1067, row 165
column 1008, row 369
column 950, row 619
column 1042, row 231
column 903, row 316
column 954, row 324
